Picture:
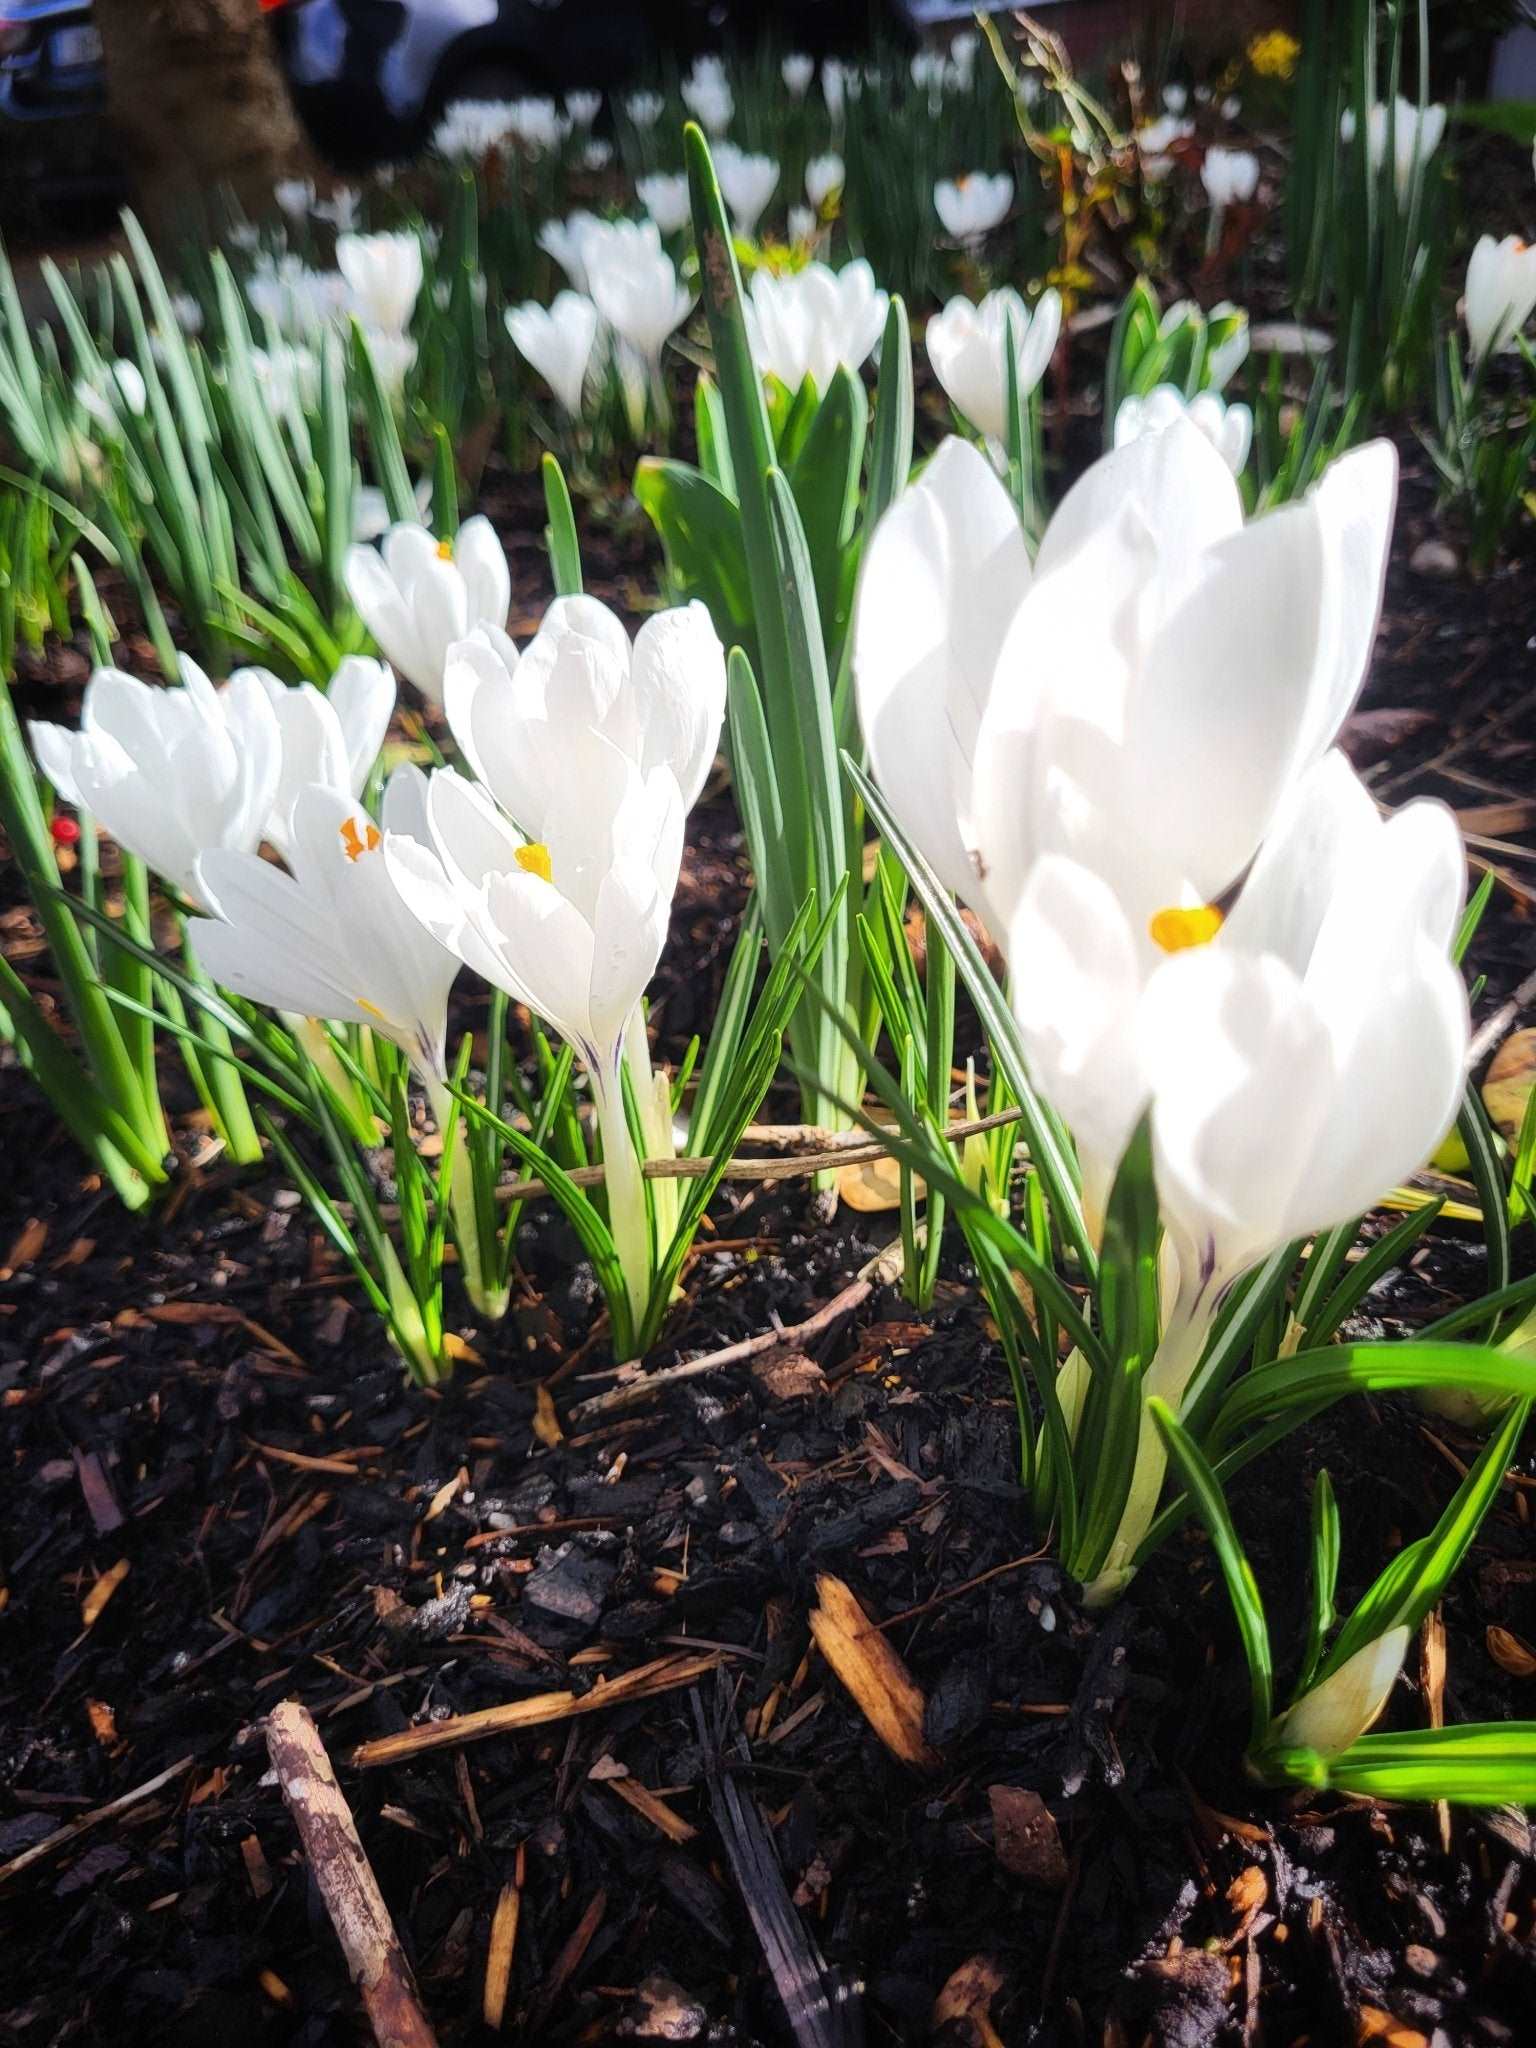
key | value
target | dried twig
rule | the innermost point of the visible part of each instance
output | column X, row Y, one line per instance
column 646, row 1386
column 113, row 1807
column 639, row 1684
column 1494, row 1026
column 345, row 1880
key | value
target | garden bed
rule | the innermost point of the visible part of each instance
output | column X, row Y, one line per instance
column 222, row 1494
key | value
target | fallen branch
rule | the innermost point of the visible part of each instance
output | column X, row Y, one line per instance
column 113, row 1807
column 345, row 1880
column 642, row 1683
column 1494, row 1026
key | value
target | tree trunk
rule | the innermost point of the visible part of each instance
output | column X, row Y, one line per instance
column 197, row 100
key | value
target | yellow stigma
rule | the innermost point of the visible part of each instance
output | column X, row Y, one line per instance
column 445, row 551
column 372, row 1008
column 534, row 859
column 355, row 843
column 1177, row 930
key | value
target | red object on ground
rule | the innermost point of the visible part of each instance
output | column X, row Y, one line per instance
column 65, row 832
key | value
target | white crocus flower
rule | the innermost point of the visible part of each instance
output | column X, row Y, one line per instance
column 1138, row 701
column 1230, row 176
column 637, row 290
column 333, row 939
column 331, row 737
column 962, row 56
column 747, row 183
column 1228, row 428
column 383, row 273
column 1175, row 98
column 557, row 341
column 393, row 356
column 1501, row 291
column 645, row 109
column 1411, row 138
column 839, row 82
column 801, row 223
column 797, row 71
column 807, row 322
column 565, row 240
column 707, row 95
column 930, row 74
column 596, row 155
column 471, row 130
column 664, row 195
column 119, row 388
column 972, row 206
column 419, row 595
column 169, row 772
column 295, row 197
column 1155, row 142
column 583, row 107
column 559, row 865
column 824, row 175
column 967, row 346
column 341, row 210
column 537, row 123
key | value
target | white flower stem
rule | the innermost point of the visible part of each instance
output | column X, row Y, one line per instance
column 624, row 1184
column 490, row 1298
column 654, row 1100
column 1168, row 1378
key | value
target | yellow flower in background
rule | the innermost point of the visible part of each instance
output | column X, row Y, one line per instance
column 1274, row 54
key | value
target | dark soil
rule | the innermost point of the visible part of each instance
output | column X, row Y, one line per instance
column 202, row 1420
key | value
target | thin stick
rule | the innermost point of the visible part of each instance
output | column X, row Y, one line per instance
column 113, row 1807
column 1494, row 1026
column 345, row 1880
column 645, row 1387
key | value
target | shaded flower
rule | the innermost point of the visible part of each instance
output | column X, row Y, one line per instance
column 747, row 183
column 557, row 341
column 806, row 322
column 1500, row 292
column 972, row 206
column 1228, row 428
column 418, row 595
column 967, row 346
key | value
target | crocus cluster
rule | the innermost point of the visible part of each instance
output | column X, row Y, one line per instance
column 808, row 321
column 626, row 300
column 1120, row 756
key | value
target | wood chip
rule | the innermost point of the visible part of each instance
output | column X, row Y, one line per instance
column 499, row 1954
column 664, row 1675
column 880, row 1684
column 1507, row 1084
column 966, row 2001
column 546, row 1423
column 97, row 1598
column 651, row 1808
column 1026, row 1837
column 1511, row 1653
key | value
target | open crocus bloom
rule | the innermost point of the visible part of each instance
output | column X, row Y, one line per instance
column 747, row 183
column 807, row 322
column 421, row 594
column 331, row 738
column 333, row 938
column 383, row 273
column 824, row 175
column 636, row 288
column 1230, row 176
column 967, row 346
column 170, row 772
column 1501, row 291
column 1142, row 698
column 797, row 71
column 707, row 95
column 565, row 241
column 664, row 195
column 1413, row 139
column 1228, row 428
column 557, row 341
column 974, row 205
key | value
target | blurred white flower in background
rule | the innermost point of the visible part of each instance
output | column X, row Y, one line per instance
column 341, row 210
column 1228, row 428
column 597, row 155
column 117, row 388
column 962, row 57
column 295, row 301
column 383, row 274
column 1412, row 139
column 797, row 71
column 930, row 73
column 1500, row 293
column 295, row 197
column 807, row 322
column 747, row 183
column 1175, row 98
column 1155, row 142
column 564, row 239
column 824, row 175
column 471, row 130
column 664, row 195
column 802, row 224
column 1230, row 176
column 967, row 346
column 635, row 285
column 557, row 341
column 1231, row 107
column 970, row 207
column 583, row 107
column 537, row 123
column 707, row 95
column 394, row 357
column 644, row 108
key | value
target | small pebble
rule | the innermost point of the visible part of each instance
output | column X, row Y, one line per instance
column 1435, row 558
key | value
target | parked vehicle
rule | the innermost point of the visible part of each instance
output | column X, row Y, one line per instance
column 52, row 97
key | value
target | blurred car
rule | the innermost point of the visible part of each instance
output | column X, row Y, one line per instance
column 370, row 78
column 53, row 136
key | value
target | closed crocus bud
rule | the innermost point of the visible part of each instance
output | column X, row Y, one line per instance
column 418, row 595
column 636, row 288
column 583, row 107
column 707, row 96
column 1175, row 98
column 824, row 175
column 1230, row 176
column 1501, row 291
column 645, row 108
column 801, row 223
column 169, row 772
column 747, row 183
column 383, row 274
column 664, row 195
column 1228, row 428
column 797, row 71
column 1340, row 1710
column 557, row 341
column 807, row 322
column 537, row 123
column 972, row 206
column 967, row 346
